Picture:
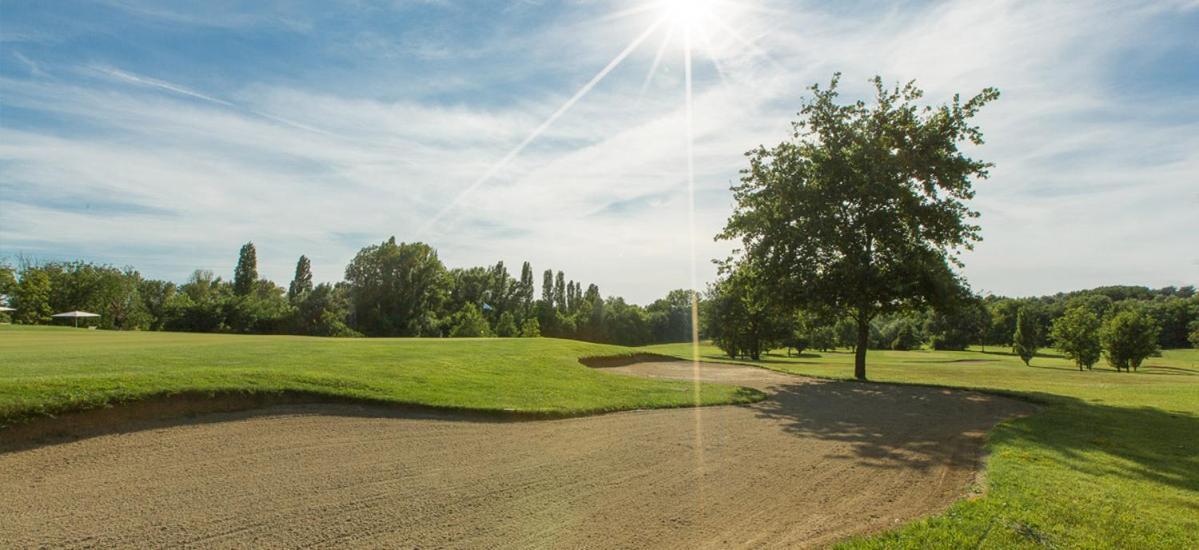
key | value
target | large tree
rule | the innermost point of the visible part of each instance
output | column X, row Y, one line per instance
column 864, row 210
column 397, row 289
column 246, row 273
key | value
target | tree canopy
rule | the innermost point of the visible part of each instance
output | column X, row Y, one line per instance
column 864, row 210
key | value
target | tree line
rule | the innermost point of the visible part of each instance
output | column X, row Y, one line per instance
column 389, row 289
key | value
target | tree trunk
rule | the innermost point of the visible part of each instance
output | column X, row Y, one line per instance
column 859, row 359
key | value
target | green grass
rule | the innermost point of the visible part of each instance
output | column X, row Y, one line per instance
column 47, row 371
column 1112, row 460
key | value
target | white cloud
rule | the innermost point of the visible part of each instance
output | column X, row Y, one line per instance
column 1090, row 186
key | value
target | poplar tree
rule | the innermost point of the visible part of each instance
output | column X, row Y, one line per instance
column 246, row 273
column 560, row 292
column 301, row 284
column 1024, row 341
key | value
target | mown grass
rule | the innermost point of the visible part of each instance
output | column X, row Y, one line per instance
column 1112, row 460
column 49, row 371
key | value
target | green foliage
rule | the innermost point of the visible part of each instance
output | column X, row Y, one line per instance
column 957, row 328
column 322, row 312
column 1128, row 338
column 397, row 289
column 506, row 326
column 8, row 283
column 1194, row 336
column 245, row 275
column 743, row 319
column 469, row 322
column 902, row 334
column 301, row 283
column 1026, row 339
column 1076, row 335
column 33, row 297
column 863, row 212
column 530, row 328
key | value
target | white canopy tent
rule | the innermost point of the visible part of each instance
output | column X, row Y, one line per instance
column 76, row 315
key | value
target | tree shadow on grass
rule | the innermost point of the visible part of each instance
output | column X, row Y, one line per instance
column 901, row 426
column 1149, row 444
column 889, row 425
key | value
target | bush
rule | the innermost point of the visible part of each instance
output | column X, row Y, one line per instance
column 469, row 323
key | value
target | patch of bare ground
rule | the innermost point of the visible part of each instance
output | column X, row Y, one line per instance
column 815, row 462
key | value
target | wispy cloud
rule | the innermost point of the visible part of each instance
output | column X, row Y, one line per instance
column 1093, row 184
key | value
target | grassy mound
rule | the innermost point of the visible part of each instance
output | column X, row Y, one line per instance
column 50, row 371
column 1111, row 462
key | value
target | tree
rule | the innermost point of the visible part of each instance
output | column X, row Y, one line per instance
column 33, row 297
column 469, row 322
column 1076, row 334
column 744, row 319
column 246, row 273
column 865, row 209
column 301, row 284
column 560, row 292
column 530, row 328
column 397, row 289
column 1194, row 336
column 8, row 283
column 524, row 292
column 506, row 326
column 1024, row 340
column 1128, row 338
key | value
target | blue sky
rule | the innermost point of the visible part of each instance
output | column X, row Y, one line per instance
column 164, row 134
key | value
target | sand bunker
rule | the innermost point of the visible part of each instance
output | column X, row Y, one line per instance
column 816, row 462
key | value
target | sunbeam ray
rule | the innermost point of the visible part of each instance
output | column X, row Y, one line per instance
column 653, row 69
column 495, row 168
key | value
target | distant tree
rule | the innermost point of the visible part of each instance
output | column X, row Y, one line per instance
column 397, row 289
column 506, row 326
column 903, row 334
column 957, row 327
column 530, row 328
column 525, row 291
column 469, row 323
column 323, row 312
column 1194, row 336
column 547, row 288
column 864, row 211
column 671, row 317
column 1076, row 334
column 246, row 274
column 560, row 292
column 301, row 284
column 1025, row 340
column 1128, row 338
column 8, row 282
column 33, row 297
column 745, row 320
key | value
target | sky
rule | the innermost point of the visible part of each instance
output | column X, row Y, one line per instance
column 163, row 135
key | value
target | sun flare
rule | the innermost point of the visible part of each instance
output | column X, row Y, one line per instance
column 688, row 15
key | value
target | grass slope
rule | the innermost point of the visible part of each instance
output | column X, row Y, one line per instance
column 45, row 370
column 1111, row 462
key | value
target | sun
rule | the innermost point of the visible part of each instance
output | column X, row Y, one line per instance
column 688, row 15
